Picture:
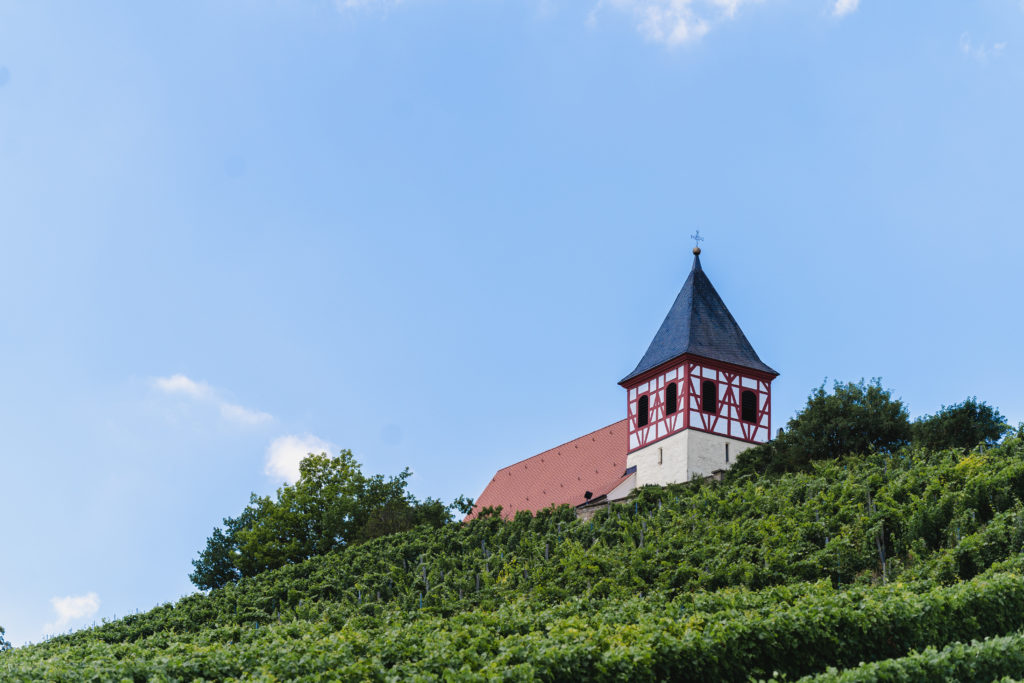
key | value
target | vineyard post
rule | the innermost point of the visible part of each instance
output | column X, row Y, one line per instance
column 839, row 566
column 478, row 582
column 546, row 552
column 881, row 549
column 880, row 538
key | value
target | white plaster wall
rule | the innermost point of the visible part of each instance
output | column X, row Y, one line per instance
column 683, row 456
column 623, row 489
column 672, row 466
column 707, row 453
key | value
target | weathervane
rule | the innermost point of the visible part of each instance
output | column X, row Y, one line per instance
column 697, row 239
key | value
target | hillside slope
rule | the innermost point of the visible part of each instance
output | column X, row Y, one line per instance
column 864, row 559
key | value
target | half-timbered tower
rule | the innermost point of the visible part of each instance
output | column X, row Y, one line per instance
column 700, row 395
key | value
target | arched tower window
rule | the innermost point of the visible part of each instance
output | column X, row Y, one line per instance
column 671, row 398
column 748, row 406
column 641, row 411
column 709, row 397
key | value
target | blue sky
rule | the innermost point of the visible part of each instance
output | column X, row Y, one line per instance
column 438, row 232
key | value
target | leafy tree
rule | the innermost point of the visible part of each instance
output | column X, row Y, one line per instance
column 854, row 418
column 331, row 506
column 5, row 645
column 463, row 504
column 963, row 425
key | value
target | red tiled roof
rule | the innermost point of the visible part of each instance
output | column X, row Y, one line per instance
column 595, row 462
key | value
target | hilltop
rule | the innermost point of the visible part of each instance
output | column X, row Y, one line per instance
column 859, row 559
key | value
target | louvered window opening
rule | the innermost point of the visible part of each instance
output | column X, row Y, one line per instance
column 748, row 406
column 671, row 398
column 709, row 397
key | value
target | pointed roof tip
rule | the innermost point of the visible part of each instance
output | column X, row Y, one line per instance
column 699, row 323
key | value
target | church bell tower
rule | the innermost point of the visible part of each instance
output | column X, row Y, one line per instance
column 700, row 395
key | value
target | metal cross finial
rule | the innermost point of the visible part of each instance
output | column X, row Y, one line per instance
column 697, row 239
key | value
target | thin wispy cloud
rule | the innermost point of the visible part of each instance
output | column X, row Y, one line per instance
column 669, row 22
column 343, row 5
column 843, row 7
column 241, row 414
column 71, row 609
column 673, row 22
column 181, row 385
column 285, row 453
column 981, row 52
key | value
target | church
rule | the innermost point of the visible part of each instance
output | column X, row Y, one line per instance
column 699, row 396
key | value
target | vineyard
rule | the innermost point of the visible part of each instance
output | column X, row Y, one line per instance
column 882, row 567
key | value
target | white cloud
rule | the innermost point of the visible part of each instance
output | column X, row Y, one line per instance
column 286, row 452
column 72, row 608
column 670, row 22
column 343, row 5
column 674, row 22
column 201, row 391
column 844, row 7
column 180, row 384
column 980, row 51
column 235, row 413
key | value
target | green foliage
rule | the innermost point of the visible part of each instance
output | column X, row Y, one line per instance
column 963, row 425
column 463, row 504
column 333, row 505
column 609, row 640
column 975, row 662
column 854, row 418
column 868, row 558
column 5, row 645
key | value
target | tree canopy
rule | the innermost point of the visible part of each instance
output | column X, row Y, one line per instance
column 5, row 645
column 853, row 418
column 963, row 425
column 331, row 506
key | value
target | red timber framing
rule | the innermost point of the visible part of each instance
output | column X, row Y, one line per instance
column 689, row 373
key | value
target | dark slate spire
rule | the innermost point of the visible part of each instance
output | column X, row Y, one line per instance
column 700, row 324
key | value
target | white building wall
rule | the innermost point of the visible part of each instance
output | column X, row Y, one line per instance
column 623, row 489
column 661, row 463
column 683, row 456
column 707, row 453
